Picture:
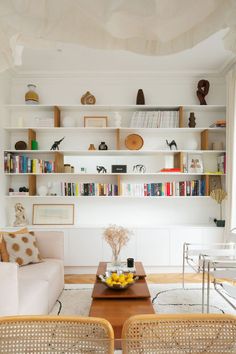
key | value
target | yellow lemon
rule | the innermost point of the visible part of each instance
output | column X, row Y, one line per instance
column 114, row 276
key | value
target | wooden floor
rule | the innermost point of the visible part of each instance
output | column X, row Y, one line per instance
column 151, row 278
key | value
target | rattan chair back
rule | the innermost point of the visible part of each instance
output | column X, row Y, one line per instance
column 55, row 334
column 179, row 334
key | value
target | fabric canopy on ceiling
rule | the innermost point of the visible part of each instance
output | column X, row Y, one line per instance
column 149, row 27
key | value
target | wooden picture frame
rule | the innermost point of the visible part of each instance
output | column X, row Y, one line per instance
column 53, row 214
column 95, row 121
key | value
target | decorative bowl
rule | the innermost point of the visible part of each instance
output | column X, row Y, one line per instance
column 118, row 282
column 134, row 142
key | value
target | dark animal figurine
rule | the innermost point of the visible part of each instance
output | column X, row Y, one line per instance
column 172, row 144
column 55, row 145
column 139, row 168
column 101, row 169
column 202, row 90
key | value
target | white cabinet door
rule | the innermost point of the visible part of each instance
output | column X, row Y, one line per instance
column 213, row 235
column 153, row 246
column 84, row 247
column 178, row 237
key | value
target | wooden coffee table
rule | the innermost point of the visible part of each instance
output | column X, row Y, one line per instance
column 118, row 305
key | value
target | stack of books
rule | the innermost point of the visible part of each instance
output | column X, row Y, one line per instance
column 88, row 189
column 183, row 188
column 24, row 164
column 155, row 119
column 219, row 124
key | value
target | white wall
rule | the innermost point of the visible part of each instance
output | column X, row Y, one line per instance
column 5, row 86
column 122, row 89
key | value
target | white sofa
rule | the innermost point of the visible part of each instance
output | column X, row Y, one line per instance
column 34, row 288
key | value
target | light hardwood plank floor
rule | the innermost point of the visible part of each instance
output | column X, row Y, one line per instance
column 151, row 278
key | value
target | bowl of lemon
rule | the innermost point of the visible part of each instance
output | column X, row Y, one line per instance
column 119, row 281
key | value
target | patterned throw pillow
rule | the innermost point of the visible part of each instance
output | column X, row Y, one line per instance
column 3, row 249
column 22, row 248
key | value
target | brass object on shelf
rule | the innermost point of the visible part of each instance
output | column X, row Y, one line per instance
column 91, row 147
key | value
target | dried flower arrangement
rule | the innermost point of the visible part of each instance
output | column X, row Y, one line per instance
column 117, row 237
column 219, row 195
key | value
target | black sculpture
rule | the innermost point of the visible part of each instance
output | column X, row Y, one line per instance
column 140, row 97
column 202, row 90
column 101, row 169
column 172, row 144
column 139, row 168
column 55, row 145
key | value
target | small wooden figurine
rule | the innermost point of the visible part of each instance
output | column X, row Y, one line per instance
column 202, row 90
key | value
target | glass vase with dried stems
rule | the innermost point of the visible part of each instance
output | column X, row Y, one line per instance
column 219, row 195
column 116, row 237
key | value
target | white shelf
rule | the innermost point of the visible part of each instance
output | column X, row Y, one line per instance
column 103, row 197
column 112, row 129
column 116, row 174
column 113, row 152
column 115, row 107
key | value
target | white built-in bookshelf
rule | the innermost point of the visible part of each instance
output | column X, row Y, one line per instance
column 24, row 123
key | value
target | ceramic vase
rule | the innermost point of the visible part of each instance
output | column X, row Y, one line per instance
column 31, row 96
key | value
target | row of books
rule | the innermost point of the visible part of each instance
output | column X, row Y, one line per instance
column 155, row 119
column 183, row 188
column 24, row 164
column 88, row 189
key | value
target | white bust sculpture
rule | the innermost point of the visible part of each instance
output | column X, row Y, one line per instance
column 21, row 219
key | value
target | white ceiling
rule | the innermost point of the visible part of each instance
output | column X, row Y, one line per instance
column 208, row 56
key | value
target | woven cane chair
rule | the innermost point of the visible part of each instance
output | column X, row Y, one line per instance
column 55, row 334
column 178, row 334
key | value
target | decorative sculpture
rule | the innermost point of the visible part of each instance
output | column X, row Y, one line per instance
column 202, row 90
column 20, row 216
column 55, row 145
column 172, row 145
column 88, row 98
column 192, row 122
column 139, row 168
column 101, row 169
column 140, row 97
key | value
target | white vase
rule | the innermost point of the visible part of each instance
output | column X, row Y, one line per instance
column 68, row 122
column 42, row 191
column 117, row 119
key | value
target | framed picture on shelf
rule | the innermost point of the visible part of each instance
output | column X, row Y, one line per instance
column 195, row 163
column 53, row 214
column 95, row 122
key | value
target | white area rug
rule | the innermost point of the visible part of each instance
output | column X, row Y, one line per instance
column 167, row 298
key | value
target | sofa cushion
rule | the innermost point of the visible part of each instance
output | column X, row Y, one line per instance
column 22, row 248
column 33, row 297
column 4, row 256
column 50, row 270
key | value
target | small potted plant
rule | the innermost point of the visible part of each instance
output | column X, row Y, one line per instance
column 219, row 195
column 117, row 237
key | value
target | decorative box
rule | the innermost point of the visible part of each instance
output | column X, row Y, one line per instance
column 119, row 168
